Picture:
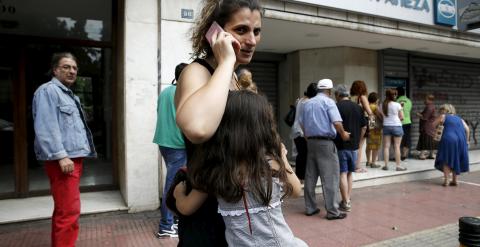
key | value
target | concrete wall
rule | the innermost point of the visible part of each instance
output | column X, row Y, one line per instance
column 141, row 74
column 341, row 64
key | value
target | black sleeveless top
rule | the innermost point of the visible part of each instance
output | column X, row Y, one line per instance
column 205, row 227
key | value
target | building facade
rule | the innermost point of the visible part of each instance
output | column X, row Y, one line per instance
column 128, row 51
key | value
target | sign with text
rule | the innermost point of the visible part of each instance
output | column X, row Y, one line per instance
column 417, row 11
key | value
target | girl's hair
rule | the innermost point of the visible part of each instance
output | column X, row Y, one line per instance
column 372, row 97
column 448, row 109
column 219, row 11
column 235, row 157
column 358, row 88
column 389, row 96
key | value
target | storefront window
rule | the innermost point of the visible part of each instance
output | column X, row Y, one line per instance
column 83, row 20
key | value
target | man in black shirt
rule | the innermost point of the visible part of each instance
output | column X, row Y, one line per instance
column 355, row 123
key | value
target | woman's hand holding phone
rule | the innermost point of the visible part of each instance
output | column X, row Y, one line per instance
column 223, row 44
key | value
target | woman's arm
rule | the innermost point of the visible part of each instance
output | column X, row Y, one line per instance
column 366, row 105
column 438, row 120
column 188, row 204
column 467, row 131
column 400, row 113
column 291, row 177
column 200, row 98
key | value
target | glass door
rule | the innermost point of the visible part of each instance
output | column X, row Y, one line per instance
column 7, row 128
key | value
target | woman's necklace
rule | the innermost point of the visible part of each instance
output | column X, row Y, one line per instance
column 236, row 85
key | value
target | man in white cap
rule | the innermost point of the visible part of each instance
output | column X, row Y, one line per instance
column 320, row 122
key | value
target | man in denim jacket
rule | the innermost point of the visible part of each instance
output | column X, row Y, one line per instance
column 62, row 140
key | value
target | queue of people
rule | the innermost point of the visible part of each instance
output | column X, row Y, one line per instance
column 237, row 169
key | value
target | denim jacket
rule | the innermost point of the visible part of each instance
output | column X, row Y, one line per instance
column 59, row 123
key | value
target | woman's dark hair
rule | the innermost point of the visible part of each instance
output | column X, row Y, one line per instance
column 372, row 97
column 219, row 11
column 311, row 90
column 235, row 158
column 56, row 57
column 389, row 96
column 358, row 88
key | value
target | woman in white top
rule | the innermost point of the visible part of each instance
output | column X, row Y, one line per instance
column 392, row 127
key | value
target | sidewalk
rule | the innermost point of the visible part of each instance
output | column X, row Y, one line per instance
column 380, row 213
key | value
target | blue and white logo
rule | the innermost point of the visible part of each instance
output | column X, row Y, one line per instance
column 445, row 12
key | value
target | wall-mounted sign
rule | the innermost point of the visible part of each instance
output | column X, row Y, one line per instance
column 445, row 12
column 417, row 11
column 468, row 14
column 187, row 13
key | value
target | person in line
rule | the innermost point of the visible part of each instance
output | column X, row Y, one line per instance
column 320, row 122
column 202, row 93
column 426, row 144
column 374, row 139
column 172, row 147
column 358, row 94
column 245, row 166
column 297, row 132
column 63, row 140
column 355, row 123
column 245, row 80
column 392, row 128
column 406, row 104
column 452, row 154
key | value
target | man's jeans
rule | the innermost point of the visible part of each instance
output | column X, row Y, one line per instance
column 174, row 160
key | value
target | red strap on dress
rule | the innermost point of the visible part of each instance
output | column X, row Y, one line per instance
column 246, row 210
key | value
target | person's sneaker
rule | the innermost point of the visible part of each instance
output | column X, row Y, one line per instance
column 167, row 233
column 337, row 217
column 316, row 211
column 175, row 226
column 345, row 206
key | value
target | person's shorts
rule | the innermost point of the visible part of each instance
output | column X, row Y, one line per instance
column 392, row 131
column 406, row 139
column 347, row 159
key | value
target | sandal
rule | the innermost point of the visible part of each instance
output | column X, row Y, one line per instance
column 373, row 165
column 360, row 170
column 400, row 169
column 452, row 183
column 445, row 183
column 385, row 168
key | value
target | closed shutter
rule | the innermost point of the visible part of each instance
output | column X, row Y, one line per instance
column 265, row 76
column 453, row 82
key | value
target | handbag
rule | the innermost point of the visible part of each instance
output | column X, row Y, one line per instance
column 438, row 133
column 290, row 117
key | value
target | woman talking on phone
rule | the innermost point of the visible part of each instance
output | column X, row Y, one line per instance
column 202, row 92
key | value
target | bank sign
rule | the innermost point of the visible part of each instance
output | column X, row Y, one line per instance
column 445, row 12
column 416, row 11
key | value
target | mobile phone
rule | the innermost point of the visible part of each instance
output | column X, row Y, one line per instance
column 214, row 28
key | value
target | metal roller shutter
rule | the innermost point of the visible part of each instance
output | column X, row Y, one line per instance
column 454, row 82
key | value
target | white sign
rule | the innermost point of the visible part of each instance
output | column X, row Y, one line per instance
column 418, row 11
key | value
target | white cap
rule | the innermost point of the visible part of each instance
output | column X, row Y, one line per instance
column 325, row 84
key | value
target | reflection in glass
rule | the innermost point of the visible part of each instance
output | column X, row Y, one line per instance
column 7, row 182
column 93, row 87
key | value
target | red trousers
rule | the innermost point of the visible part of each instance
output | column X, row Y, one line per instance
column 66, row 197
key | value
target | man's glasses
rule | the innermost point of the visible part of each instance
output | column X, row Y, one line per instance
column 68, row 68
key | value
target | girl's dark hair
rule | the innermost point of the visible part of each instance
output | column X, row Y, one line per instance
column 56, row 57
column 372, row 97
column 358, row 88
column 219, row 11
column 389, row 96
column 235, row 158
column 311, row 90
